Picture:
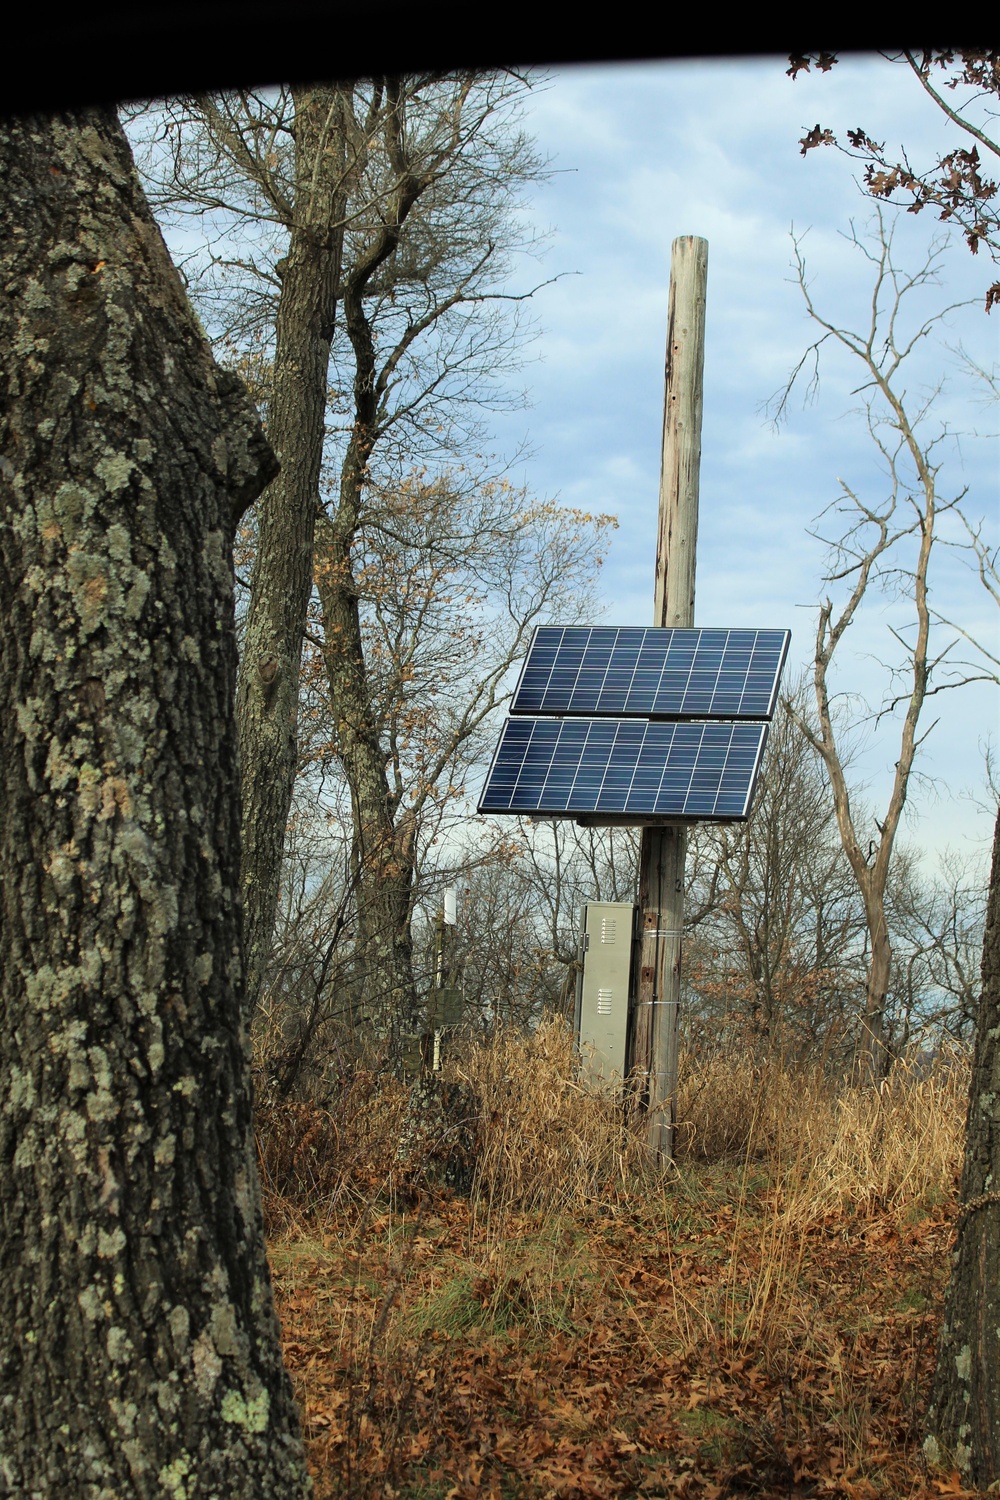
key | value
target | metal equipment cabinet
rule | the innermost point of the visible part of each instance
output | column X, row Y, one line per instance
column 603, row 989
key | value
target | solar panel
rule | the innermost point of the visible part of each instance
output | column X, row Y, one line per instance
column 696, row 674
column 625, row 768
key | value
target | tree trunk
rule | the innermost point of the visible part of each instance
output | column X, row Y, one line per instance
column 281, row 579
column 382, row 846
column 141, row 1353
column 963, row 1423
column 873, row 1041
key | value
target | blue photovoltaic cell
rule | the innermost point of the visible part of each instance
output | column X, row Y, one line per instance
column 696, row 674
column 628, row 767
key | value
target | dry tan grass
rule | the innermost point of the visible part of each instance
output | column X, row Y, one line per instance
column 540, row 1139
column 886, row 1148
column 543, row 1139
column 829, row 1145
column 732, row 1104
column 824, row 1151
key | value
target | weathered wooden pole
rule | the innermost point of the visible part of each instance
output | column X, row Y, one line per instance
column 661, row 859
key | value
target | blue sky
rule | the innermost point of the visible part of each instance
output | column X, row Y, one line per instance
column 644, row 152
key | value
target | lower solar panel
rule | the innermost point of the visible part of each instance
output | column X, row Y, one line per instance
column 625, row 769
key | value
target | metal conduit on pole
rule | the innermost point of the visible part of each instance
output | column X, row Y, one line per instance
column 662, row 854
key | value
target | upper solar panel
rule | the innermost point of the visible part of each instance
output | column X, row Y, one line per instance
column 628, row 769
column 654, row 673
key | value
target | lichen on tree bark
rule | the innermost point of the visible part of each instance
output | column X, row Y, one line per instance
column 141, row 1354
column 963, row 1423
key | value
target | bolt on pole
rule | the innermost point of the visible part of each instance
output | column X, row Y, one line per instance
column 663, row 850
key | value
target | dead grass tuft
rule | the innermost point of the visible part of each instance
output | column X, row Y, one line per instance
column 737, row 1105
column 314, row 1162
column 543, row 1140
column 829, row 1144
column 888, row 1148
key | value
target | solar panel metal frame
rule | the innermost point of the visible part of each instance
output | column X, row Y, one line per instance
column 633, row 787
column 603, row 671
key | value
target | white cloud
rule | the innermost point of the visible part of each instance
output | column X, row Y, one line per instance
column 645, row 152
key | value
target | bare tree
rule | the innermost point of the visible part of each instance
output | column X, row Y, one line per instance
column 449, row 578
column 778, row 948
column 887, row 544
column 963, row 1419
column 304, row 1027
column 252, row 157
column 518, row 936
column 937, row 925
column 391, row 199
column 419, row 636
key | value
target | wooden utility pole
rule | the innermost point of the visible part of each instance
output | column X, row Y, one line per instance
column 661, row 860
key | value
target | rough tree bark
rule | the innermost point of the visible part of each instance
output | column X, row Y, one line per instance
column 140, row 1354
column 963, row 1422
column 281, row 579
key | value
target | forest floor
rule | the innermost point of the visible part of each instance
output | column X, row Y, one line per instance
column 725, row 1329
column 668, row 1347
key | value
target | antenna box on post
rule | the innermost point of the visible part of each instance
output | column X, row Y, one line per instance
column 602, row 991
